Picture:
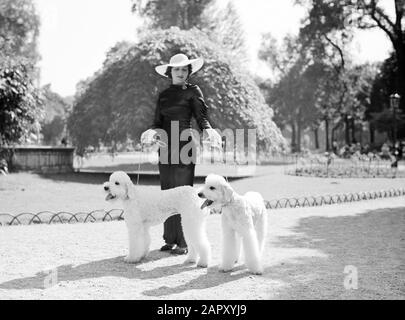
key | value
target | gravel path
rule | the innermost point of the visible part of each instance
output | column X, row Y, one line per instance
column 306, row 255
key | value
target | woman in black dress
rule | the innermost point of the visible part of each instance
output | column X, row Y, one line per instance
column 174, row 110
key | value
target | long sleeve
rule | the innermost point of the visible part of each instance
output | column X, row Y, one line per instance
column 200, row 109
column 157, row 121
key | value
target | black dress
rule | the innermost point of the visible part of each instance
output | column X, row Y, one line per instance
column 175, row 108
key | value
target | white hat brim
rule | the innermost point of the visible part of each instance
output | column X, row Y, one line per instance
column 196, row 65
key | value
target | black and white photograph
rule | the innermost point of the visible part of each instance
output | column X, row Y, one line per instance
column 217, row 152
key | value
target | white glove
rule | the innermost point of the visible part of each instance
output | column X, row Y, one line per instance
column 149, row 136
column 215, row 138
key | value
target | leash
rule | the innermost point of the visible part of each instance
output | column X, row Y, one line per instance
column 143, row 145
column 220, row 149
column 139, row 170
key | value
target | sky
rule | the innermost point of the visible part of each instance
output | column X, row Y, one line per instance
column 76, row 34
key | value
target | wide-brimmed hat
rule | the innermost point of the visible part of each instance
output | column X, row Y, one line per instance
column 180, row 60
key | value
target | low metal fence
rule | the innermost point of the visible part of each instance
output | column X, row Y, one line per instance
column 48, row 217
column 315, row 201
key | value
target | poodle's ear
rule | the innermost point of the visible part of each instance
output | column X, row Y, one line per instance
column 227, row 192
column 130, row 190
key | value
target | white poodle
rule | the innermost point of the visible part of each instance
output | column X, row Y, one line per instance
column 146, row 208
column 242, row 217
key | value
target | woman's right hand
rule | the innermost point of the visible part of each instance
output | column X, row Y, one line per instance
column 148, row 137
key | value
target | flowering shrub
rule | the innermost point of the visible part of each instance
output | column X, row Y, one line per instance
column 357, row 166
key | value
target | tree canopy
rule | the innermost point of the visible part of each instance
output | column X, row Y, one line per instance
column 315, row 82
column 19, row 101
column 56, row 110
column 224, row 26
column 20, row 104
column 326, row 18
column 120, row 101
column 163, row 14
column 19, row 30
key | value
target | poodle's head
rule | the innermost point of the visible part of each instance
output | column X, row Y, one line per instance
column 119, row 187
column 216, row 191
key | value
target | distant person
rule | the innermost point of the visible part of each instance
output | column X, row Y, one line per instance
column 385, row 152
column 352, row 148
column 335, row 147
column 64, row 142
column 394, row 166
column 398, row 151
column 345, row 152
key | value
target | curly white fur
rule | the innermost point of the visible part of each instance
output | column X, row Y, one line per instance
column 244, row 217
column 143, row 209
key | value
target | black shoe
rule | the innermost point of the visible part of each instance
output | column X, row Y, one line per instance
column 179, row 251
column 167, row 247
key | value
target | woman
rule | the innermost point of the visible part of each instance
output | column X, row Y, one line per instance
column 174, row 110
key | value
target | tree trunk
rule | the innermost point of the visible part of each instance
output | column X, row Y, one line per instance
column 334, row 129
column 371, row 130
column 400, row 81
column 353, row 129
column 399, row 47
column 327, row 134
column 299, row 136
column 185, row 18
column 361, row 134
column 347, row 130
column 315, row 130
column 293, row 137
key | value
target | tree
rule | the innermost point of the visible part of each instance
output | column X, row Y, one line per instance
column 53, row 131
column 56, row 109
column 379, row 111
column 116, row 53
column 327, row 17
column 163, row 14
column 294, row 101
column 20, row 110
column 20, row 103
column 296, row 85
column 315, row 83
column 224, row 26
column 360, row 81
column 325, row 42
column 19, row 31
column 114, row 113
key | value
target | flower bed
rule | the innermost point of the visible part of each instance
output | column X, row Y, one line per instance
column 358, row 166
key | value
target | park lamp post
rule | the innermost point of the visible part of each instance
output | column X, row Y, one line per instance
column 394, row 103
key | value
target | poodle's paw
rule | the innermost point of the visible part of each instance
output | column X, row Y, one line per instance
column 225, row 269
column 190, row 260
column 202, row 264
column 129, row 259
column 257, row 271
